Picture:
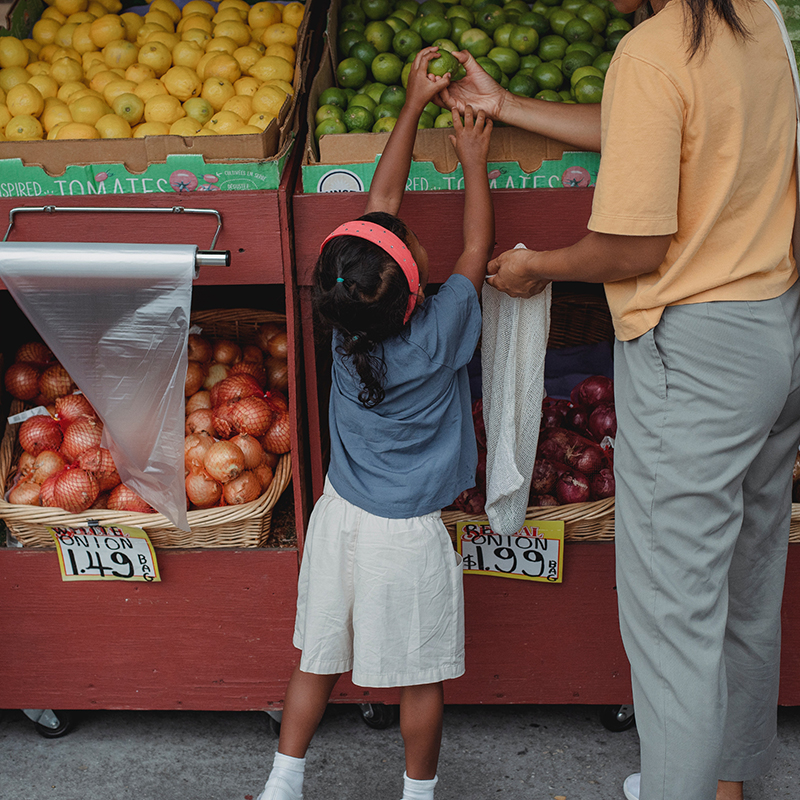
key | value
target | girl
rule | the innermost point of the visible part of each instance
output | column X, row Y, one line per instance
column 380, row 587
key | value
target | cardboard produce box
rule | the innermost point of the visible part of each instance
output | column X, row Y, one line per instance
column 68, row 168
column 517, row 159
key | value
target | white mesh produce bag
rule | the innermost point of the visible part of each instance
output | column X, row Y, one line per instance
column 513, row 347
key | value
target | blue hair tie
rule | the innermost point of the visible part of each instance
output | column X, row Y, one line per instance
column 355, row 337
column 340, row 280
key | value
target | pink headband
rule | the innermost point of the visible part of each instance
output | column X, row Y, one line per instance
column 392, row 244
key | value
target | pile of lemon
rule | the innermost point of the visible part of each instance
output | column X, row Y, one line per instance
column 90, row 72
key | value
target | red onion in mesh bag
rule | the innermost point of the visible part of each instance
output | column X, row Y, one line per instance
column 602, row 484
column 572, row 487
column 544, row 476
column 603, row 422
column 592, row 391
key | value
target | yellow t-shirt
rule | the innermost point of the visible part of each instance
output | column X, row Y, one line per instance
column 704, row 150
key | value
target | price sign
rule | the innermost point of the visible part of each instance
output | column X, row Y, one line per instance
column 534, row 553
column 115, row 553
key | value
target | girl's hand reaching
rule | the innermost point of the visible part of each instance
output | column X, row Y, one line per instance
column 420, row 90
column 471, row 139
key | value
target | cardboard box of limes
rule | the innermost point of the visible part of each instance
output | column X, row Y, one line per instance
column 193, row 158
column 556, row 50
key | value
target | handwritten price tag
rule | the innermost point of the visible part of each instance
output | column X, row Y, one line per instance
column 115, row 553
column 534, row 553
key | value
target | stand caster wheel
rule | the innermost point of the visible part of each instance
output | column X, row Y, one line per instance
column 378, row 715
column 275, row 721
column 50, row 724
column 617, row 718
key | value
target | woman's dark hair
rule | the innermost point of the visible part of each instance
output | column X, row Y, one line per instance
column 367, row 305
column 700, row 11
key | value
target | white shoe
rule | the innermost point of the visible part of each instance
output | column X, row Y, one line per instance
column 278, row 789
column 632, row 785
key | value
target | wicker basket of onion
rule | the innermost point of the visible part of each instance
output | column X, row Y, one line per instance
column 53, row 470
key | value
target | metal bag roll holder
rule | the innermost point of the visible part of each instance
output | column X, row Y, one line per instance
column 203, row 258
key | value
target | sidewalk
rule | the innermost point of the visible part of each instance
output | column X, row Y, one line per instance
column 509, row 752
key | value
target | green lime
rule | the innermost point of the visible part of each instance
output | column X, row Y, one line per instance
column 573, row 5
column 354, row 25
column 406, row 42
column 603, row 61
column 347, row 39
column 432, row 27
column 529, row 61
column 394, row 96
column 578, row 30
column 537, row 21
column 375, row 90
column 588, row 47
column 443, row 63
column 431, row 7
column 409, row 5
column 404, row 14
column 362, row 100
column 573, row 60
column 352, row 12
column 460, row 12
column 566, row 95
column 329, row 126
column 476, row 41
column 333, row 96
column 446, row 44
column 396, row 23
column 385, row 110
column 501, row 34
column 505, row 58
column 490, row 17
column 594, row 15
column 582, row 72
column 523, row 85
column 549, row 95
column 432, row 109
column 613, row 39
column 557, row 62
column 351, row 72
column 405, row 73
column 541, row 8
column 328, row 112
column 376, row 9
column 379, row 34
column 384, row 124
column 548, row 76
column 559, row 17
column 513, row 6
column 358, row 118
column 363, row 51
column 551, row 47
column 458, row 25
column 491, row 68
column 523, row 39
column 617, row 25
column 426, row 120
column 386, row 68
column 589, row 89
column 444, row 120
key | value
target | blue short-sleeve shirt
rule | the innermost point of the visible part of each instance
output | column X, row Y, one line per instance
column 415, row 451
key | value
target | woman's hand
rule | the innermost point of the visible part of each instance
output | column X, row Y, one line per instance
column 420, row 90
column 476, row 89
column 515, row 273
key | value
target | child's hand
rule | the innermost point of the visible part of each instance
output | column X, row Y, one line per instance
column 471, row 140
column 421, row 89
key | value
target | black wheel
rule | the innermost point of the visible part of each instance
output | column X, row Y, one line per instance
column 378, row 715
column 617, row 718
column 65, row 723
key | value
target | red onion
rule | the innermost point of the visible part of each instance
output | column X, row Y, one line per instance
column 75, row 490
column 55, row 380
column 577, row 418
column 224, row 461
column 471, row 501
column 592, row 391
column 572, row 487
column 39, row 433
column 544, row 476
column 22, row 381
column 80, row 436
column 278, row 438
column 603, row 422
column 202, row 490
column 552, row 416
column 572, row 449
column 602, row 484
column 543, row 500
column 478, row 423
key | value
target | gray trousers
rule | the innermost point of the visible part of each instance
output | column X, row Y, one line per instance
column 708, row 409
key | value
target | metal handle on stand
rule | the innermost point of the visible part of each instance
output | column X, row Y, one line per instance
column 203, row 258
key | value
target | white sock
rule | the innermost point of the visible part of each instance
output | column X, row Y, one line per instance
column 287, row 771
column 418, row 790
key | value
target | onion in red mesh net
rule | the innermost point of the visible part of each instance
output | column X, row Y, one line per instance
column 236, row 387
column 603, row 422
column 22, row 381
column 223, row 420
column 252, row 415
column 572, row 487
column 55, row 381
column 278, row 438
column 72, row 407
column 35, row 353
column 46, row 493
column 255, row 371
column 39, row 433
column 75, row 490
column 202, row 490
column 123, row 498
column 602, row 484
column 224, row 461
column 80, row 436
column 99, row 462
column 47, row 463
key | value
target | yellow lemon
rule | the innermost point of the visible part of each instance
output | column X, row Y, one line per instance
column 262, row 15
column 33, row 46
column 195, row 21
column 82, row 39
column 200, row 37
column 221, row 44
column 269, row 100
column 280, row 33
column 246, row 57
column 101, row 79
column 111, row 126
column 77, row 130
column 260, row 121
column 38, row 68
column 44, row 31
column 198, row 7
column 247, row 129
column 293, row 14
column 163, row 108
column 247, row 85
column 157, row 56
column 146, row 31
column 169, row 40
column 47, row 86
column 84, row 92
column 64, row 34
column 139, row 72
column 160, row 18
column 65, row 52
column 240, row 104
column 24, row 99
column 113, row 89
column 223, row 65
column 150, row 129
column 268, row 67
column 23, row 127
column 149, row 88
column 5, row 116
column 256, row 42
column 120, row 53
column 66, row 90
column 96, row 9
column 182, row 82
column 55, row 114
column 228, row 14
column 239, row 5
column 11, row 76
column 65, row 70
column 107, row 28
column 93, row 69
column 46, row 53
column 199, row 109
column 233, row 29
column 88, row 109
column 186, row 126
column 129, row 106
column 200, row 69
column 284, row 86
column 132, row 22
column 80, row 17
column 12, row 52
column 168, row 7
column 114, row 6
column 51, row 12
column 224, row 122
column 92, row 59
column 53, row 132
column 282, row 50
column 217, row 91
column 67, row 7
column 186, row 54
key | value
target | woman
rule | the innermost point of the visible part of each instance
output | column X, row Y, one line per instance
column 690, row 232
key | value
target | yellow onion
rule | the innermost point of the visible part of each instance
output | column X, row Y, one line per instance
column 25, row 493
column 224, row 461
column 202, row 490
column 243, row 488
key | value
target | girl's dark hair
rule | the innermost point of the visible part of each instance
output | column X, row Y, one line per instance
column 367, row 305
column 700, row 12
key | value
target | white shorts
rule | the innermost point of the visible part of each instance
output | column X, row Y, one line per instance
column 381, row 597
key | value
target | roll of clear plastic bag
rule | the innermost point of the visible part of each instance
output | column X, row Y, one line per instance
column 117, row 318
